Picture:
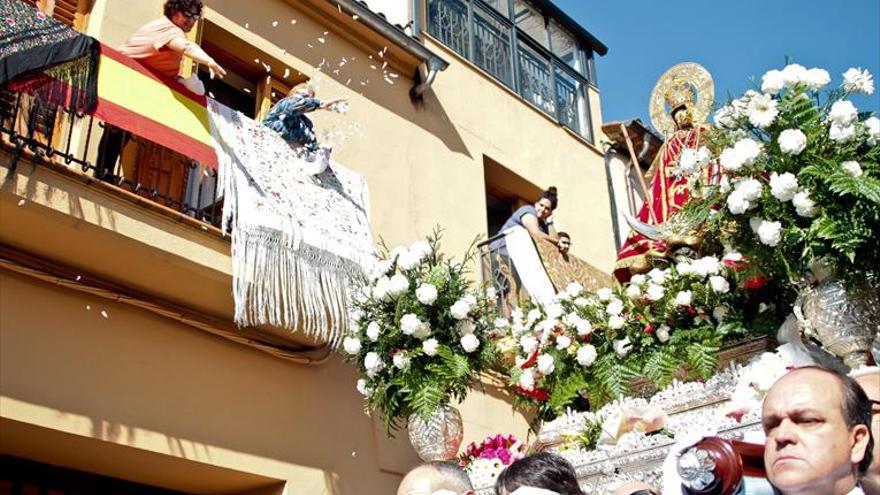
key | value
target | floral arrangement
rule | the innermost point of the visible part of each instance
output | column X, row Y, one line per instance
column 421, row 333
column 502, row 448
column 801, row 176
column 595, row 346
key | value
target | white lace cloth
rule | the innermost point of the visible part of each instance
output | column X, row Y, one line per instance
column 299, row 242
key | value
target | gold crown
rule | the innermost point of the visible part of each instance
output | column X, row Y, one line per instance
column 680, row 93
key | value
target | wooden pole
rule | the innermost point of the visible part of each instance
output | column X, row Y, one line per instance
column 635, row 163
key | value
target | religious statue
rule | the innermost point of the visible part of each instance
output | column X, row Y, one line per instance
column 688, row 91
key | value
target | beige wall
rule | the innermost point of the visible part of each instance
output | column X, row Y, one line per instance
column 141, row 397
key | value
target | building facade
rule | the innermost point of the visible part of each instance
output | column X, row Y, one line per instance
column 119, row 362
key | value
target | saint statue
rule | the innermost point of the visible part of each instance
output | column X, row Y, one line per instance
column 688, row 91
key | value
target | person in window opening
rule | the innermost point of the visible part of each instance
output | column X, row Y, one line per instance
column 288, row 118
column 563, row 243
column 533, row 218
column 160, row 46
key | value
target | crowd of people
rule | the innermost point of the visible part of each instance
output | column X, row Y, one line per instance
column 820, row 428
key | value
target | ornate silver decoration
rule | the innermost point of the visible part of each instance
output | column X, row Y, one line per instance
column 438, row 438
column 696, row 468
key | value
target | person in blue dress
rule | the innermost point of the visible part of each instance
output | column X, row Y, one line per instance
column 288, row 117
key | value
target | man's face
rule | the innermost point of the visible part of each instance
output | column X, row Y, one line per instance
column 871, row 384
column 564, row 245
column 809, row 448
column 185, row 20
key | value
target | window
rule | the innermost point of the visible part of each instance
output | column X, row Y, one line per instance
column 536, row 57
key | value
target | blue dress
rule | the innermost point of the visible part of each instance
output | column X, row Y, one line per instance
column 288, row 118
column 516, row 220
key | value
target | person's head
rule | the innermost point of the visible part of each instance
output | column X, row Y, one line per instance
column 435, row 477
column 303, row 88
column 547, row 203
column 542, row 470
column 564, row 242
column 816, row 422
column 870, row 383
column 682, row 117
column 184, row 13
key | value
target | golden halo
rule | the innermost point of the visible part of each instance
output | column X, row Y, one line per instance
column 704, row 88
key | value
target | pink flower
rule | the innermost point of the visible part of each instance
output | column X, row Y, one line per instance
column 41, row 16
column 10, row 21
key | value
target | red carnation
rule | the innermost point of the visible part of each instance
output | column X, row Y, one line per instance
column 755, row 283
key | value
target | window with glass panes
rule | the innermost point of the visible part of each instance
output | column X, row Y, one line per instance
column 514, row 42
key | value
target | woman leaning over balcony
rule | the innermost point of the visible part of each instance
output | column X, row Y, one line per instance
column 533, row 218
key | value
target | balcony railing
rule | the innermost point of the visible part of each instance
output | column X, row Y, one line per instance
column 72, row 140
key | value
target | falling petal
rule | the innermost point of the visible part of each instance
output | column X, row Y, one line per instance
column 322, row 40
column 256, row 61
column 78, row 277
column 89, row 307
column 274, row 23
column 348, row 81
column 211, row 94
column 21, row 202
column 293, row 21
column 104, row 313
column 246, row 90
column 286, row 72
column 309, row 45
column 247, row 25
column 355, row 17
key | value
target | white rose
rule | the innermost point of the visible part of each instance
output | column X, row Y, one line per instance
column 420, row 249
column 719, row 284
column 426, row 294
column 563, row 342
column 380, row 290
column 873, row 125
column 352, row 345
column 719, row 313
column 730, row 160
column 747, row 150
column 783, row 186
column 499, row 323
column 804, row 206
column 687, row 161
column 400, row 360
column 528, row 344
column 584, row 327
column 470, row 343
column 770, row 233
column 794, row 74
column 638, row 279
column 707, row 265
column 546, row 364
column 604, row 294
column 381, row 268
column 817, row 78
column 762, row 111
column 856, row 80
column 658, row 276
column 843, row 113
column 373, row 364
column 684, row 268
column 655, row 292
column 574, row 289
column 554, row 311
column 841, row 133
column 398, row 285
column 460, row 309
column 615, row 307
column 750, row 188
column 733, row 256
column 616, row 322
column 409, row 323
column 527, row 380
column 422, row 331
column 430, row 347
column 772, row 82
column 373, row 330
column 362, row 387
column 580, row 302
column 852, row 167
column 792, row 141
column 586, row 355
column 663, row 333
column 622, row 346
column 633, row 291
column 683, row 298
column 737, row 204
column 407, row 260
column 396, row 252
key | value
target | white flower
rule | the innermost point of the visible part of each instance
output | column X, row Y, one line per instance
column 737, row 204
column 683, row 298
column 730, row 161
column 794, row 74
column 409, row 323
column 470, row 299
column 533, row 316
column 622, row 346
column 563, row 342
column 574, row 289
column 762, row 111
column 528, row 344
column 584, row 327
column 750, row 188
column 655, row 292
column 633, row 291
column 719, row 284
column 373, row 330
column 460, row 309
column 527, row 380
column 726, row 117
column 380, row 290
column 422, row 331
column 772, row 82
column 792, row 141
column 770, row 233
column 741, row 105
column 604, row 294
column 580, row 302
column 373, row 364
column 491, row 293
column 748, row 150
column 352, row 345
column 396, row 252
column 469, row 343
column 783, row 186
column 586, row 355
column 398, row 285
column 687, row 161
column 546, row 364
column 856, row 80
column 720, row 312
column 873, row 125
column 852, row 167
column 663, row 333
column 733, row 256
column 420, row 249
column 499, row 323
column 554, row 311
column 400, row 359
column 615, row 307
column 817, row 78
column 426, row 294
column 430, row 347
column 381, row 268
column 362, row 387
column 684, row 268
column 843, row 113
column 638, row 279
column 467, row 326
column 707, row 265
column 616, row 322
column 658, row 276
column 804, row 206
column 841, row 133
column 407, row 260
